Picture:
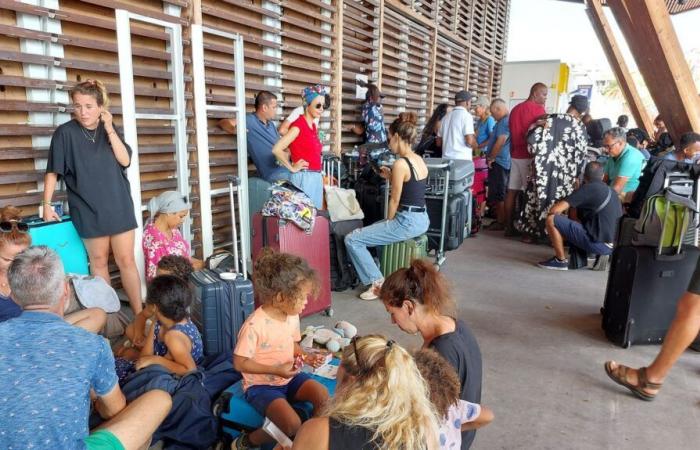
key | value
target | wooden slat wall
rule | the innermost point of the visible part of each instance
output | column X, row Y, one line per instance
column 258, row 23
column 289, row 44
column 360, row 56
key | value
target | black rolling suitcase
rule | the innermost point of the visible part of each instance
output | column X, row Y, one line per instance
column 223, row 300
column 343, row 275
column 368, row 189
column 644, row 286
column 458, row 206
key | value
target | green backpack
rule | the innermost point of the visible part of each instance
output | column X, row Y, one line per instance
column 664, row 220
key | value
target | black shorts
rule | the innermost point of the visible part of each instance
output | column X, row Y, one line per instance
column 694, row 285
column 498, row 183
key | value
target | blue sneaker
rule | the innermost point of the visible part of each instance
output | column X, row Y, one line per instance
column 554, row 264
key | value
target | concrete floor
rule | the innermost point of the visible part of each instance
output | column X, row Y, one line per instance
column 543, row 354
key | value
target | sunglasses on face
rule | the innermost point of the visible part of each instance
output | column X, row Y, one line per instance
column 319, row 106
column 7, row 227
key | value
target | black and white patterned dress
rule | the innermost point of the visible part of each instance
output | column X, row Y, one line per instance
column 559, row 151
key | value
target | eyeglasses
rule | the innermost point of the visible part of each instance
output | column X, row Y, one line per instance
column 608, row 147
column 9, row 226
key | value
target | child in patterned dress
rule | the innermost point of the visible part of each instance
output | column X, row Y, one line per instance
column 457, row 415
column 172, row 341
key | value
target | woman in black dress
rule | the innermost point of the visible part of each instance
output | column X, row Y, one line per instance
column 92, row 159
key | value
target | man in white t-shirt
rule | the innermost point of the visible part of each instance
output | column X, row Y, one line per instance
column 456, row 135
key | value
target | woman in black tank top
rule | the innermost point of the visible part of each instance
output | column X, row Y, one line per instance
column 381, row 403
column 406, row 217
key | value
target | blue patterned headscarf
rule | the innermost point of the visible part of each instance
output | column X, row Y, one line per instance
column 311, row 92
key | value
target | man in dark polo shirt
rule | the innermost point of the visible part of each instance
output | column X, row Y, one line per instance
column 598, row 208
column 261, row 134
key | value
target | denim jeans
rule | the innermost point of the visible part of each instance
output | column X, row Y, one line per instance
column 405, row 225
column 312, row 185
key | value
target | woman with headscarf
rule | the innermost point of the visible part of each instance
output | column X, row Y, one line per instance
column 161, row 236
column 558, row 145
column 304, row 157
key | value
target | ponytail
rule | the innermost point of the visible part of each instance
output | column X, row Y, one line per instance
column 95, row 88
column 421, row 283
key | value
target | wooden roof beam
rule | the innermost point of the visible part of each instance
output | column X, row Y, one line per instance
column 649, row 32
column 618, row 64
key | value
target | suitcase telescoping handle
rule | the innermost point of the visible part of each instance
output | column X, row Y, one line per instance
column 234, row 184
column 331, row 168
column 446, row 166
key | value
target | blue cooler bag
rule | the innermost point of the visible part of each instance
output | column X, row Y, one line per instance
column 236, row 415
column 63, row 238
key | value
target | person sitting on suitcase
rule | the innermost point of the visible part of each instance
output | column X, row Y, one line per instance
column 268, row 353
column 52, row 373
column 172, row 341
column 15, row 238
column 161, row 235
column 406, row 217
column 599, row 209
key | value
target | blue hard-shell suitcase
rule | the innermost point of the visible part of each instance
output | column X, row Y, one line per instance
column 220, row 308
column 63, row 238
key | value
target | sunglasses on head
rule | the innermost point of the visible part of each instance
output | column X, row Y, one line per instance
column 7, row 227
column 361, row 366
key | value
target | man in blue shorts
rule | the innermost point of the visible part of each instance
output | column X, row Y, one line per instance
column 597, row 206
column 52, row 372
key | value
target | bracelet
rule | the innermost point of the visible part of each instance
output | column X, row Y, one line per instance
column 44, row 202
column 111, row 133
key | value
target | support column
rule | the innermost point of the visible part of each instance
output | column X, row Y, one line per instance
column 649, row 32
column 618, row 65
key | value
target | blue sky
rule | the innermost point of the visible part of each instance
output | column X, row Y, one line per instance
column 552, row 29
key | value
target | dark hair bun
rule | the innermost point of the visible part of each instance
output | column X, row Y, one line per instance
column 409, row 117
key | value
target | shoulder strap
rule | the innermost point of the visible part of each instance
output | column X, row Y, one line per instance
column 410, row 166
column 605, row 202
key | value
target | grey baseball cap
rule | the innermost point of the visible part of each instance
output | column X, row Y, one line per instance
column 463, row 96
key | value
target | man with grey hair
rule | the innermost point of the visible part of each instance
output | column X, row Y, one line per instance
column 624, row 167
column 498, row 157
column 599, row 210
column 51, row 371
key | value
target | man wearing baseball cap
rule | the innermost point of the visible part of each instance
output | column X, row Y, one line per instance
column 456, row 135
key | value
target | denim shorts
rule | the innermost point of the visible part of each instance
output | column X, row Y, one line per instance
column 574, row 233
column 260, row 396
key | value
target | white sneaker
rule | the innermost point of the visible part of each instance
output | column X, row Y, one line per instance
column 372, row 293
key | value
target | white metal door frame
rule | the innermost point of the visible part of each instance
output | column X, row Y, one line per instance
column 129, row 117
column 202, row 108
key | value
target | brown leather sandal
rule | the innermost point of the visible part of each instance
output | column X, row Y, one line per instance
column 619, row 376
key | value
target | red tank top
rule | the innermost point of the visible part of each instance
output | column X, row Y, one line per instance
column 306, row 146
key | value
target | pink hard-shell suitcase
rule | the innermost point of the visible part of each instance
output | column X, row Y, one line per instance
column 285, row 237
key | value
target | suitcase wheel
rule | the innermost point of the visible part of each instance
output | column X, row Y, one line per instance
column 329, row 312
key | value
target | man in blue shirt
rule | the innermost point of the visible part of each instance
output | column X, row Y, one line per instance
column 51, row 371
column 261, row 133
column 624, row 166
column 498, row 157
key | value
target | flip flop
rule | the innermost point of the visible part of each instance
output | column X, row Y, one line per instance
column 619, row 376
